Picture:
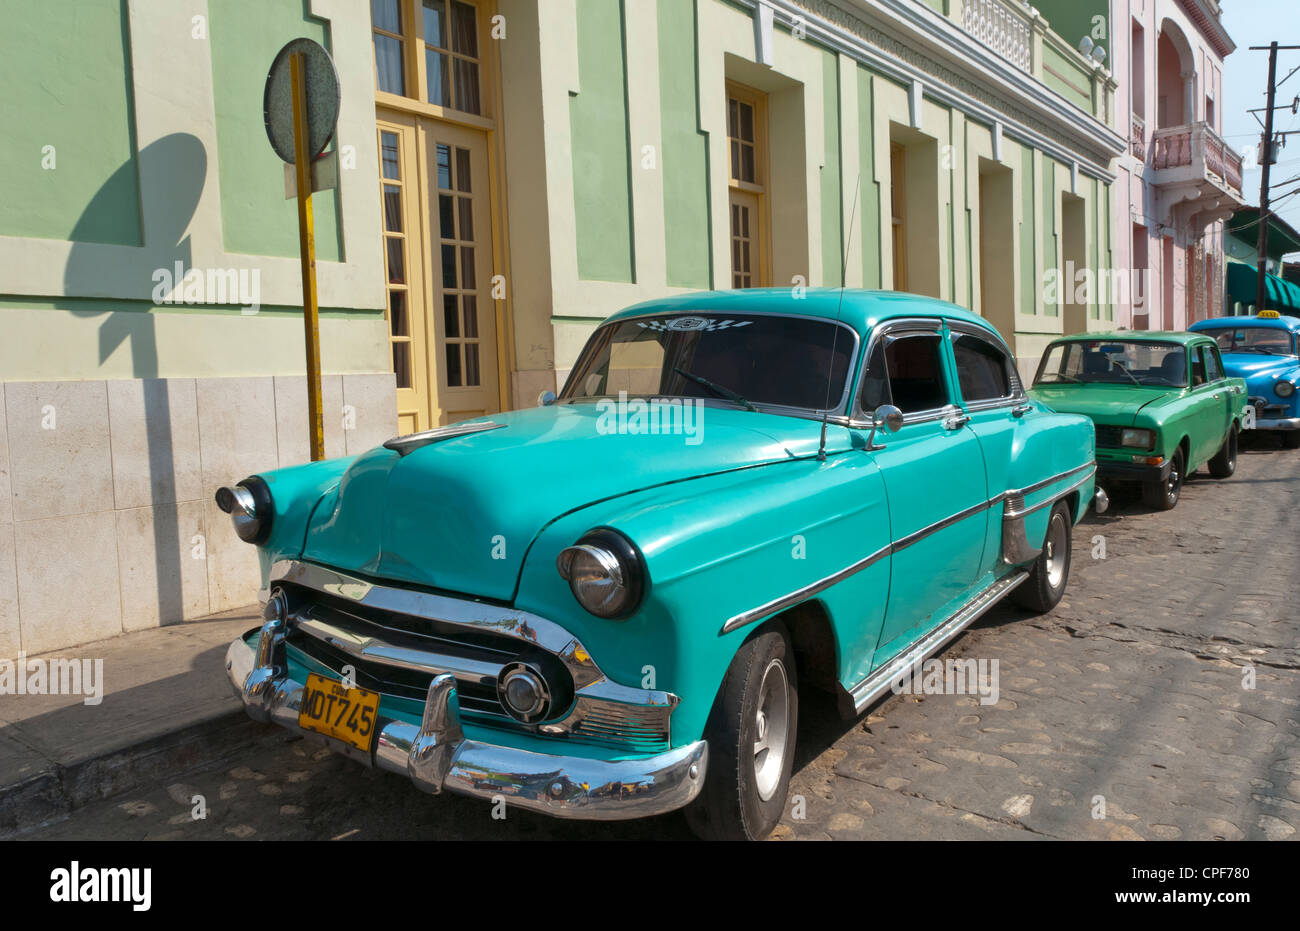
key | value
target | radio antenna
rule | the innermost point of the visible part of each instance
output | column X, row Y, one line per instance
column 844, row 274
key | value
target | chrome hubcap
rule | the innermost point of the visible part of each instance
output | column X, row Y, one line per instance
column 1175, row 478
column 771, row 729
column 1055, row 551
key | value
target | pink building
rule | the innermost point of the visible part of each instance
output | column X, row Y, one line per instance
column 1179, row 180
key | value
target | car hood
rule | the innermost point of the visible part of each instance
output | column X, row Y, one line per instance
column 1259, row 369
column 1108, row 404
column 460, row 513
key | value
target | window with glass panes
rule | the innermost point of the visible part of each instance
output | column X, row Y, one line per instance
column 399, row 321
column 457, row 256
column 438, row 41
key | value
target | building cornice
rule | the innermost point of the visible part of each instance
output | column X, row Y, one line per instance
column 1207, row 22
column 909, row 42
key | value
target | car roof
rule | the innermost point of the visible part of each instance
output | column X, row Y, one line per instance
column 1227, row 323
column 1176, row 337
column 856, row 307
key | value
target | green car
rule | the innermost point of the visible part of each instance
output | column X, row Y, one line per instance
column 1161, row 402
column 607, row 606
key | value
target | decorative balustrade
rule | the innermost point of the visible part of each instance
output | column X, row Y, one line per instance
column 1194, row 153
column 1138, row 138
column 1002, row 25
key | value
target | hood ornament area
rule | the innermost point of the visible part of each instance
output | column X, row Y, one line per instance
column 403, row 445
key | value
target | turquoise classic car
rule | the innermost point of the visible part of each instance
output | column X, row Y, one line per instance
column 606, row 607
column 1263, row 351
column 1162, row 404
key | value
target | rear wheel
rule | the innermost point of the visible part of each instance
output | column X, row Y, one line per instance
column 1163, row 495
column 1224, row 462
column 751, row 733
column 1051, row 570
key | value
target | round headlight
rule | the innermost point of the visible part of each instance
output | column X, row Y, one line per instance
column 605, row 572
column 1284, row 389
column 249, row 507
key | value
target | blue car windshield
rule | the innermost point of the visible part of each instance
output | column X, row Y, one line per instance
column 1119, row 362
column 743, row 359
column 1266, row 340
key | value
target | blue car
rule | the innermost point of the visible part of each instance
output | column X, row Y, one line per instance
column 1263, row 351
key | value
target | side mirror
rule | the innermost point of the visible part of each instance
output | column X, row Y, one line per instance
column 889, row 417
column 546, row 399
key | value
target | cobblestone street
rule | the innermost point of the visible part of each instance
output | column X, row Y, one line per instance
column 1128, row 697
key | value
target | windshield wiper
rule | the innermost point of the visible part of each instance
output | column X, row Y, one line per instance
column 716, row 389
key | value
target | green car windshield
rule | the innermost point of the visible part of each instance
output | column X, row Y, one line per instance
column 739, row 358
column 1118, row 362
column 1265, row 340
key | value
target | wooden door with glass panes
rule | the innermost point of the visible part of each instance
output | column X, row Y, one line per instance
column 462, row 332
column 403, row 268
column 746, row 186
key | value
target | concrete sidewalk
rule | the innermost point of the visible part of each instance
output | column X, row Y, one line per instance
column 166, row 706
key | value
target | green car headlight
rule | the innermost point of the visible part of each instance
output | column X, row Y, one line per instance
column 1138, row 439
column 1284, row 389
column 249, row 507
column 605, row 572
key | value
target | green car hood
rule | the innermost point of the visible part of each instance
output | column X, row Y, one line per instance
column 1116, row 405
column 459, row 514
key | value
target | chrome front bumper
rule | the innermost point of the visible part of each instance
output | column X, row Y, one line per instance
column 1279, row 423
column 437, row 756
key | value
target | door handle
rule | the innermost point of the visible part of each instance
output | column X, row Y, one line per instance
column 1021, row 410
column 956, row 422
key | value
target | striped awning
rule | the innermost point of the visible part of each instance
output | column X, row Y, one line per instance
column 1279, row 294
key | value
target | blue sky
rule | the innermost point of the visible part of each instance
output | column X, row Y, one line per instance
column 1245, row 76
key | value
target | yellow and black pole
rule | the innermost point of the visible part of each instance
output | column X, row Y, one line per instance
column 307, row 235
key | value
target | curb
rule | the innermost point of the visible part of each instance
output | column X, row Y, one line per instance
column 63, row 788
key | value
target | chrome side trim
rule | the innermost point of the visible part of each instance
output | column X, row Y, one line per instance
column 786, row 601
column 1016, row 548
column 437, row 756
column 874, row 684
column 919, row 535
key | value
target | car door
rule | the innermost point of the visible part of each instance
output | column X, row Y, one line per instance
column 992, row 396
column 1229, row 394
column 1210, row 411
column 934, row 481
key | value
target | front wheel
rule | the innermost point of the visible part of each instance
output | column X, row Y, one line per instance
column 1224, row 462
column 1047, row 577
column 1291, row 439
column 751, row 733
column 1164, row 495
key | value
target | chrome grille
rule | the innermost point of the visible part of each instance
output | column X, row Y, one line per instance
column 633, row 726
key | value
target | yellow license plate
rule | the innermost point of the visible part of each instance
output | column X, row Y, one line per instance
column 331, row 708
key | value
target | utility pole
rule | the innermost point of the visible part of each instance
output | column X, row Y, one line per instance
column 1265, row 163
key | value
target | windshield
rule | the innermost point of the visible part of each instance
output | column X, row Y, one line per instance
column 1119, row 362
column 741, row 359
column 1265, row 340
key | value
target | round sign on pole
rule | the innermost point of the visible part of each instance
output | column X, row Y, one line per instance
column 322, row 99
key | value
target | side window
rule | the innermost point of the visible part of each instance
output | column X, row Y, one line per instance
column 983, row 370
column 875, row 381
column 1198, row 367
column 915, row 366
column 1213, row 364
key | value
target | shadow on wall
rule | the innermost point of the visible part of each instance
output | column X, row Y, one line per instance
column 176, row 168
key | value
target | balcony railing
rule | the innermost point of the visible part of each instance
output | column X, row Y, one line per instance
column 1002, row 25
column 1138, row 138
column 1194, row 152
